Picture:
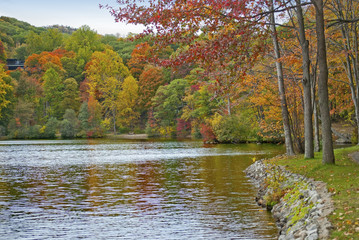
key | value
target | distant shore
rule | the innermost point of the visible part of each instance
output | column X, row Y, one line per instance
column 127, row 136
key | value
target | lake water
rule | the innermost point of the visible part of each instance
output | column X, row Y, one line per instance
column 101, row 189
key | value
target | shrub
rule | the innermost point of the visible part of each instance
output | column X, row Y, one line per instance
column 207, row 133
column 67, row 129
column 232, row 128
column 50, row 129
column 34, row 132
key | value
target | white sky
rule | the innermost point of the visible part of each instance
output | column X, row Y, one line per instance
column 73, row 13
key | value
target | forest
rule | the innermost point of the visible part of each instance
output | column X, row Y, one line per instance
column 221, row 71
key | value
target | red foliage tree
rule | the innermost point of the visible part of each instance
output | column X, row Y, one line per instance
column 39, row 63
column 138, row 59
column 207, row 133
column 212, row 31
column 150, row 80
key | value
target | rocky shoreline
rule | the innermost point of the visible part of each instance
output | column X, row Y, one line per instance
column 299, row 205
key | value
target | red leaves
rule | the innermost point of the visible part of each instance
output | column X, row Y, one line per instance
column 207, row 133
column 190, row 23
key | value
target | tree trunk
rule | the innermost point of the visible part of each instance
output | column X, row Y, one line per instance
column 315, row 109
column 316, row 128
column 328, row 152
column 283, row 101
column 308, row 123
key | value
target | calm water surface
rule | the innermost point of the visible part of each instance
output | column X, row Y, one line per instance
column 97, row 189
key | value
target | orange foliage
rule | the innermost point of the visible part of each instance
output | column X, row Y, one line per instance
column 138, row 59
column 150, row 80
column 39, row 63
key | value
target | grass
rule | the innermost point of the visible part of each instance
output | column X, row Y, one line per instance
column 342, row 181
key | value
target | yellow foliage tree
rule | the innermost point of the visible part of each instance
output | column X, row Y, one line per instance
column 4, row 89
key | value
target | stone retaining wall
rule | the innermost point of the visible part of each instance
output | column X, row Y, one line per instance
column 299, row 205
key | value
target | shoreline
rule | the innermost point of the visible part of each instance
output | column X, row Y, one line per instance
column 300, row 205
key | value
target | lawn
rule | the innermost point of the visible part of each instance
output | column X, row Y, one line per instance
column 342, row 181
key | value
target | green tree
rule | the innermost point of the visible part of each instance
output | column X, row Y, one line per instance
column 71, row 95
column 23, row 114
column 67, row 129
column 46, row 41
column 51, row 39
column 34, row 43
column 69, row 125
column 84, row 116
column 168, row 102
column 50, row 129
column 200, row 104
column 53, row 93
column 3, row 56
column 84, row 42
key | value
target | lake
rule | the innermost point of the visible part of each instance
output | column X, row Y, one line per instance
column 103, row 189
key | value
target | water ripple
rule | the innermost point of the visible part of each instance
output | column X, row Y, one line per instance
column 129, row 190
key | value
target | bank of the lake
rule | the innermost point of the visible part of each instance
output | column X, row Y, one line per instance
column 341, row 180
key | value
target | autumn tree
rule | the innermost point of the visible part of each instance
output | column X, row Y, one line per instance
column 210, row 34
column 149, row 81
column 38, row 64
column 223, row 33
column 127, row 103
column 346, row 46
column 5, row 89
column 95, row 116
column 71, row 95
column 106, row 74
column 139, row 59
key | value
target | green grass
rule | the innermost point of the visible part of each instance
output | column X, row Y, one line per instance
column 342, row 180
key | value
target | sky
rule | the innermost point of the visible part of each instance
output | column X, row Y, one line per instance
column 73, row 13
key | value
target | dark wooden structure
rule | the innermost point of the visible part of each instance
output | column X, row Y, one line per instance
column 13, row 64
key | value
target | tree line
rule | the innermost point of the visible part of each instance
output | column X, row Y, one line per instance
column 223, row 71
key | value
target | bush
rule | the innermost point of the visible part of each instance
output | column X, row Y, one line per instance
column 232, row 128
column 22, row 133
column 150, row 131
column 50, row 129
column 67, row 129
column 196, row 133
column 208, row 134
column 34, row 132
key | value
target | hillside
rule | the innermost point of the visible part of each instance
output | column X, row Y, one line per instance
column 13, row 33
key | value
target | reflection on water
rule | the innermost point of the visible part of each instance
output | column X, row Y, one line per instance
column 130, row 190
